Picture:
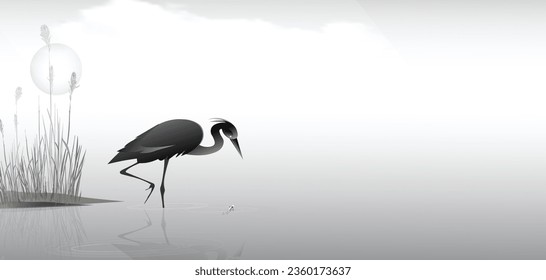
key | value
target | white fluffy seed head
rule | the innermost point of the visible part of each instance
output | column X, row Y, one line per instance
column 18, row 93
column 45, row 34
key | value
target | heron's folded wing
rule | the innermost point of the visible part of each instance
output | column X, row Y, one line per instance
column 147, row 150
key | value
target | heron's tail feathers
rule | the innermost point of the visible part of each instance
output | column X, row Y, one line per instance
column 121, row 157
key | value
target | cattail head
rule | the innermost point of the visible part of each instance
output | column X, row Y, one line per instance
column 1, row 128
column 73, row 82
column 15, row 120
column 46, row 36
column 51, row 74
column 18, row 93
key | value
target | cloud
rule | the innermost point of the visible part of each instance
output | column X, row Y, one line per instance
column 149, row 56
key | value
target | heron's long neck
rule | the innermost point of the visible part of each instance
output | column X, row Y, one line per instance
column 218, row 143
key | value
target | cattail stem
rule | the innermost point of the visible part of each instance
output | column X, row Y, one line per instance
column 50, row 79
column 18, row 94
column 4, row 146
column 16, row 125
column 39, row 117
column 69, row 117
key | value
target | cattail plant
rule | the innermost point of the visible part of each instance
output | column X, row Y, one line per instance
column 3, row 141
column 39, row 116
column 2, row 180
column 46, row 37
column 73, row 85
column 6, row 180
column 18, row 94
column 50, row 79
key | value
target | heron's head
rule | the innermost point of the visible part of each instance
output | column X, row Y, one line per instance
column 230, row 132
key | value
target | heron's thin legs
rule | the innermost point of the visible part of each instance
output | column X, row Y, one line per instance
column 162, row 189
column 152, row 186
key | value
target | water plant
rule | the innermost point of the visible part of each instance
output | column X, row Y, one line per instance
column 73, row 85
column 2, row 177
column 49, row 168
column 18, row 94
column 46, row 37
column 3, row 139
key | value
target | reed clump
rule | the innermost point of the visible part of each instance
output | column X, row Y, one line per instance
column 49, row 167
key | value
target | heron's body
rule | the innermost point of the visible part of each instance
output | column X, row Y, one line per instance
column 173, row 138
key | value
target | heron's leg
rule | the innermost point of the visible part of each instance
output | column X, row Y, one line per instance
column 152, row 186
column 163, row 182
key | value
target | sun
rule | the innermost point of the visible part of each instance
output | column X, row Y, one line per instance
column 64, row 61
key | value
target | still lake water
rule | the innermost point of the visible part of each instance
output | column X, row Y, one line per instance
column 197, row 230
column 95, row 232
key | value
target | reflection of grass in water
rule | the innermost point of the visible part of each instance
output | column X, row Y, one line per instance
column 31, row 233
column 52, row 164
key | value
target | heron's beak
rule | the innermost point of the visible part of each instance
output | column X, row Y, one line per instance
column 236, row 144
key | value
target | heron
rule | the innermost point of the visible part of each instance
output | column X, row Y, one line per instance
column 174, row 137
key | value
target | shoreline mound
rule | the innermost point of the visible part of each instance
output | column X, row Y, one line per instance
column 32, row 200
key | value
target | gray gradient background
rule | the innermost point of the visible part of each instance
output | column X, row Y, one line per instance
column 370, row 129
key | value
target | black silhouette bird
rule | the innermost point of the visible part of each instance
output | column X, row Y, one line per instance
column 170, row 138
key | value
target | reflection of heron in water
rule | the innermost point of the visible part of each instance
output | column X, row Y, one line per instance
column 168, row 248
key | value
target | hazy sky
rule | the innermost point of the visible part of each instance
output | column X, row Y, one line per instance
column 446, row 57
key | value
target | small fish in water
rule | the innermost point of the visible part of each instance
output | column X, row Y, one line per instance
column 230, row 209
